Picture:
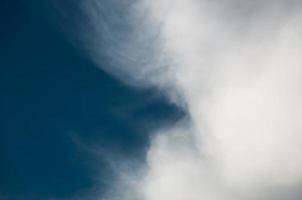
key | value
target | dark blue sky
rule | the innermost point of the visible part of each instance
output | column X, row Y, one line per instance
column 54, row 101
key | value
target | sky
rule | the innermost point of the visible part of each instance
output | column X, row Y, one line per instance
column 56, row 106
column 151, row 100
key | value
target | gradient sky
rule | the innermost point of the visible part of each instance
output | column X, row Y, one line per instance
column 150, row 100
column 54, row 103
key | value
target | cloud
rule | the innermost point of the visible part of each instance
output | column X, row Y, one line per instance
column 235, row 66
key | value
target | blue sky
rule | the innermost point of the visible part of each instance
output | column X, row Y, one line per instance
column 150, row 100
column 53, row 101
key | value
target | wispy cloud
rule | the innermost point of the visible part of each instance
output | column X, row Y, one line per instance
column 235, row 66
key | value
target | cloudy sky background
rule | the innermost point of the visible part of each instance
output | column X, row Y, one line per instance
column 55, row 103
column 180, row 99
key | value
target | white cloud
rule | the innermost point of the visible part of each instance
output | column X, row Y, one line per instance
column 237, row 67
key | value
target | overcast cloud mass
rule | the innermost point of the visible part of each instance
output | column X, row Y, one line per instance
column 235, row 67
